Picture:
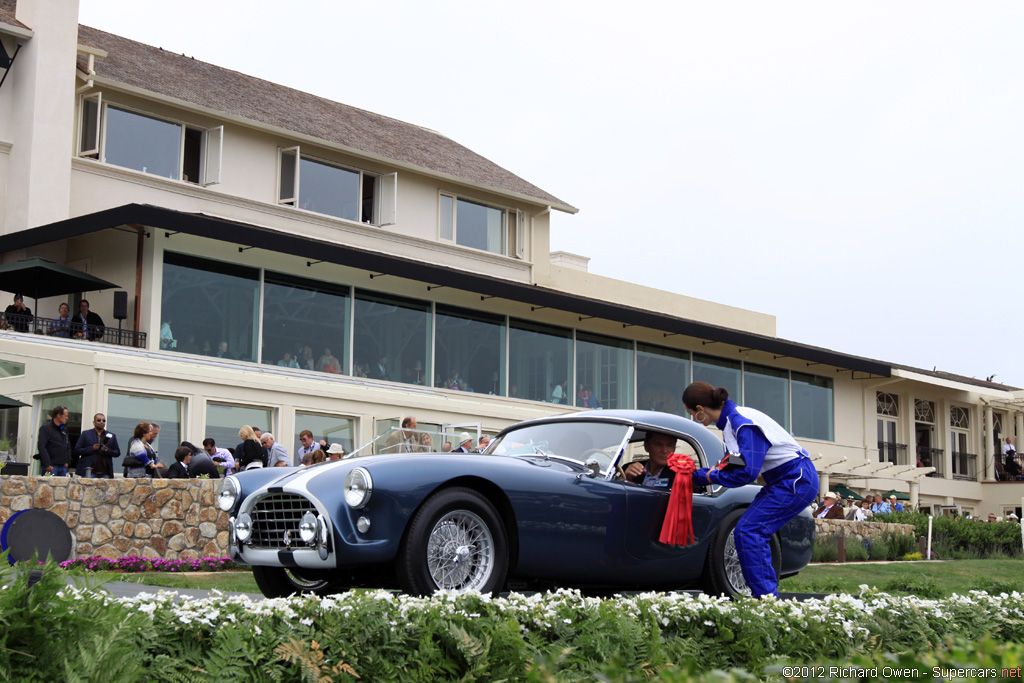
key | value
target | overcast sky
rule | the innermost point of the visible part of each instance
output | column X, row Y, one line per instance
column 854, row 169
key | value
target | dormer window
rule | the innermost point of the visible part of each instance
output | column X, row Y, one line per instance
column 481, row 226
column 324, row 187
column 131, row 139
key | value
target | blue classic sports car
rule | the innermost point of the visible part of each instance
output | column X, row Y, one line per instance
column 546, row 505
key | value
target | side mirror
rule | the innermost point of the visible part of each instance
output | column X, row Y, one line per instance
column 591, row 468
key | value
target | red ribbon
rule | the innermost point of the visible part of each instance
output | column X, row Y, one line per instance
column 677, row 528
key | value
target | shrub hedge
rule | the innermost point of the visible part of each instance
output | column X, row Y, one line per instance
column 51, row 631
column 961, row 537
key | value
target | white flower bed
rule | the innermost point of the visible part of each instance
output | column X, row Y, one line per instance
column 851, row 618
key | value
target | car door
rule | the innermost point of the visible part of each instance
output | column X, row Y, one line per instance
column 645, row 514
column 571, row 527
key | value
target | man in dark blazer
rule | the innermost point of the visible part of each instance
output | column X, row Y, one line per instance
column 465, row 443
column 97, row 448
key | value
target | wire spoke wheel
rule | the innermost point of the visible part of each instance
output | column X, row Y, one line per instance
column 733, row 571
column 460, row 551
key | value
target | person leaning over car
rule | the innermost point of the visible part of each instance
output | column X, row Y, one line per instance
column 654, row 473
column 791, row 482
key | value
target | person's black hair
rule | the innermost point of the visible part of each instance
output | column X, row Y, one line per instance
column 189, row 446
column 59, row 410
column 209, row 442
column 703, row 394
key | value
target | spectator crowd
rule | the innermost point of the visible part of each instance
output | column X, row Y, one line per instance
column 95, row 453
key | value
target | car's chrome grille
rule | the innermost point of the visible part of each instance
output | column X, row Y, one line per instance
column 276, row 517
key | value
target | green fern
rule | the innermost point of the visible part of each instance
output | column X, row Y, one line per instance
column 310, row 659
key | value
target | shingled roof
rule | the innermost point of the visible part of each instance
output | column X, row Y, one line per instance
column 198, row 83
column 7, row 14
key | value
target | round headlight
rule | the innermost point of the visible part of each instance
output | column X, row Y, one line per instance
column 228, row 496
column 358, row 487
column 243, row 527
column 307, row 527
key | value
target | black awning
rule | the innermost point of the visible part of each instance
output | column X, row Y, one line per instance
column 243, row 234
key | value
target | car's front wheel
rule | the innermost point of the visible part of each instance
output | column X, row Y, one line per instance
column 280, row 582
column 723, row 574
column 455, row 541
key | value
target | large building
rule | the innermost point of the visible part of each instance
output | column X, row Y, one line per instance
column 293, row 263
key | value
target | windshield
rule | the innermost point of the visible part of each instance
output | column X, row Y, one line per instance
column 578, row 441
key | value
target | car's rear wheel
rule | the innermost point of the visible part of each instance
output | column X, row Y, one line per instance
column 280, row 582
column 723, row 574
column 456, row 541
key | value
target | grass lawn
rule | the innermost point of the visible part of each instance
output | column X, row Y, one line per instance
column 239, row 581
column 924, row 579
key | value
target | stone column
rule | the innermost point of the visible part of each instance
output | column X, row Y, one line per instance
column 915, row 492
column 823, row 484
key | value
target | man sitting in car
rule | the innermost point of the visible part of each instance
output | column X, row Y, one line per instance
column 654, row 473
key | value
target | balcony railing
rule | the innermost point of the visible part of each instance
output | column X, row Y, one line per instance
column 70, row 330
column 892, row 453
column 932, row 457
column 965, row 466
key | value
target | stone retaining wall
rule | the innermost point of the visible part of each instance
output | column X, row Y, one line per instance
column 156, row 518
column 172, row 518
column 860, row 530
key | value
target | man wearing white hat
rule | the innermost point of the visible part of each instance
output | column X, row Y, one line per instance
column 830, row 509
column 465, row 443
column 335, row 452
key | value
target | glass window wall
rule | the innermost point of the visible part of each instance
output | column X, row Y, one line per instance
column 719, row 372
column 330, row 428
column 9, row 369
column 539, row 362
column 479, row 226
column 305, row 321
column 72, row 400
column 812, row 406
column 142, row 142
column 604, row 372
column 469, row 350
column 328, row 189
column 767, row 390
column 209, row 307
column 392, row 338
column 223, row 422
column 125, row 411
column 661, row 376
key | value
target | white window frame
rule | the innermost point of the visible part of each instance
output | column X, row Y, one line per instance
column 511, row 230
column 519, row 234
column 211, row 147
column 385, row 199
column 211, row 155
column 96, row 98
column 294, row 199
